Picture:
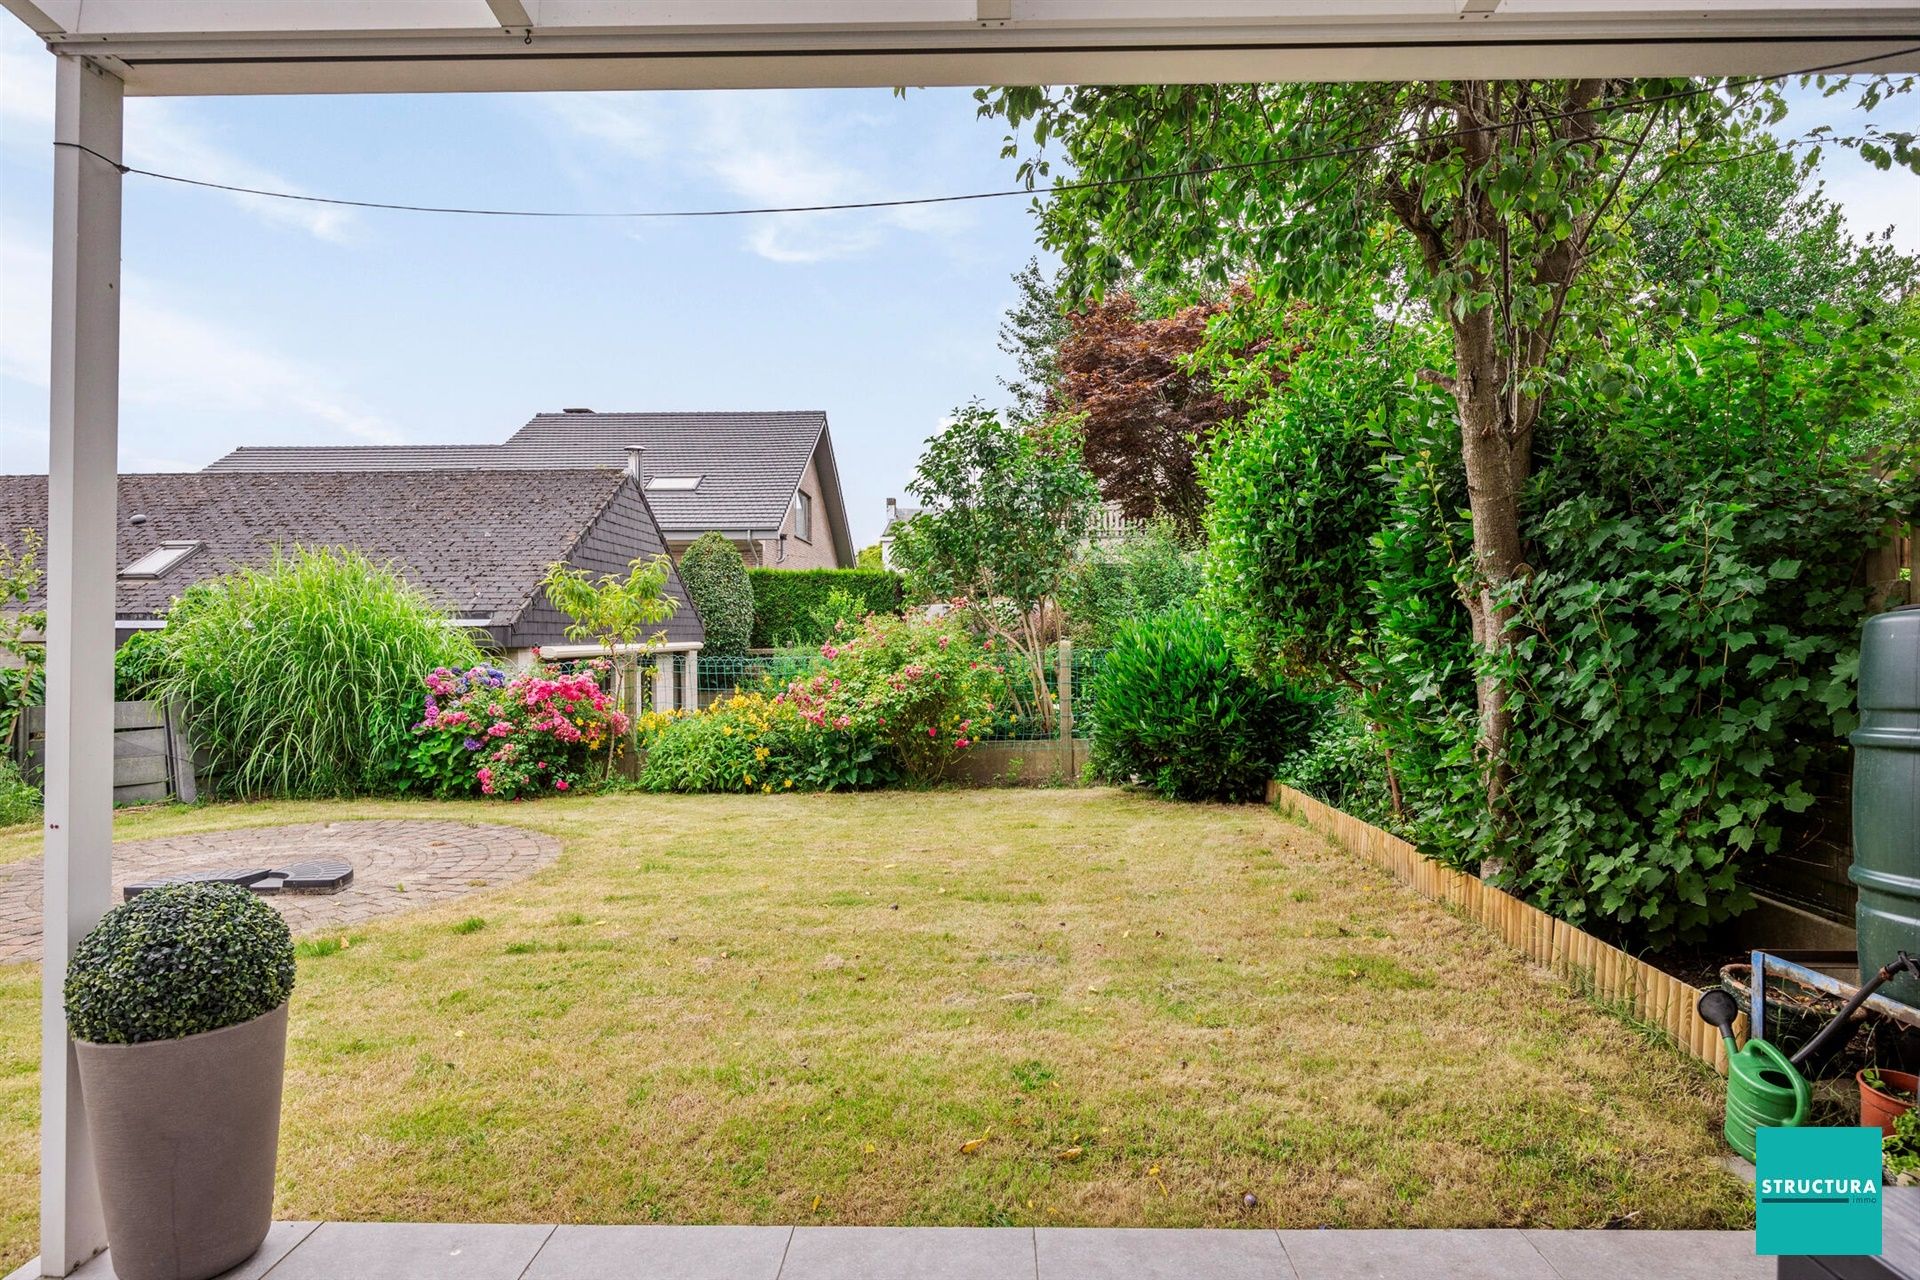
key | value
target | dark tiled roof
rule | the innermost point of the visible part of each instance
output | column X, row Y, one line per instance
column 477, row 541
column 752, row 462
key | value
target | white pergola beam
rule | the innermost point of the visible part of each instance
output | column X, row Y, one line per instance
column 416, row 46
column 81, row 518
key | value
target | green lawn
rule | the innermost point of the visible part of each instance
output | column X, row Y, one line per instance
column 1068, row 1007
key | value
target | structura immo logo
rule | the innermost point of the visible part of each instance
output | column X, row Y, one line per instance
column 1817, row 1191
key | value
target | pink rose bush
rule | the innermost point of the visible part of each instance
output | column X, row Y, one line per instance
column 530, row 733
column 918, row 684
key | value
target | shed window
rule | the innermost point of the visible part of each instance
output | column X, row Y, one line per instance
column 158, row 561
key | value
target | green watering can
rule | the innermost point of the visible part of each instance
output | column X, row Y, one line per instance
column 1764, row 1088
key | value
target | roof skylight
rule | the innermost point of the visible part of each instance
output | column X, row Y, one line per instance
column 674, row 484
column 158, row 561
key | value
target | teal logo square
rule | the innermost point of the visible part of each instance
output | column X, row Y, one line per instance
column 1817, row 1191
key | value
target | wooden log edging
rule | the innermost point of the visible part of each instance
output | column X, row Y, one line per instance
column 1610, row 976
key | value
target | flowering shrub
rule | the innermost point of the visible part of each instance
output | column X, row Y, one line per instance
column 923, row 686
column 531, row 733
column 894, row 696
column 758, row 742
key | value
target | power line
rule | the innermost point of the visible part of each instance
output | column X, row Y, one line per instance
column 1058, row 188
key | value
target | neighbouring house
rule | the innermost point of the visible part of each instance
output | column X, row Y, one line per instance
column 897, row 516
column 767, row 481
column 477, row 542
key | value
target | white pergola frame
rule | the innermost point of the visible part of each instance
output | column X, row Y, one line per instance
column 107, row 49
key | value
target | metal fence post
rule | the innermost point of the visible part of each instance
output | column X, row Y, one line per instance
column 1063, row 680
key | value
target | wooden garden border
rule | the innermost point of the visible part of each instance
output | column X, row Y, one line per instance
column 1614, row 978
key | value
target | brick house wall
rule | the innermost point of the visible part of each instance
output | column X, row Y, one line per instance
column 818, row 552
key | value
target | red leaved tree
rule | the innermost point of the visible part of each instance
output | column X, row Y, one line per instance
column 1145, row 412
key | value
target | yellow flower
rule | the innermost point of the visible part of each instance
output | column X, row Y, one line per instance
column 789, row 782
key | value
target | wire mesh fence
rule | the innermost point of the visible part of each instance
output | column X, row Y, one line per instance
column 1021, row 719
column 753, row 673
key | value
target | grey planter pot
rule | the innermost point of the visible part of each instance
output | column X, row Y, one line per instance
column 185, row 1135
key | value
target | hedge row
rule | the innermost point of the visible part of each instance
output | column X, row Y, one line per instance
column 784, row 600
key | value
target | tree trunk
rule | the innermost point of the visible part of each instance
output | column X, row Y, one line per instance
column 1496, row 467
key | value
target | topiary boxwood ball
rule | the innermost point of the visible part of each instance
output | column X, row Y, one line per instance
column 177, row 961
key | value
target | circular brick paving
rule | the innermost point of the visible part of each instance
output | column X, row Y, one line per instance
column 398, row 865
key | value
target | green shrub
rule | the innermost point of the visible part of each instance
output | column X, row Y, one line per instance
column 137, row 664
column 177, row 961
column 1149, row 570
column 1342, row 764
column 1171, row 709
column 303, row 678
column 716, row 579
column 786, row 600
column 19, row 799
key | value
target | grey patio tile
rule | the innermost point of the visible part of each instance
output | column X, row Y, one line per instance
column 413, row 1251
column 1652, row 1255
column 909, row 1253
column 661, row 1253
column 1412, row 1255
column 1100, row 1253
column 281, row 1238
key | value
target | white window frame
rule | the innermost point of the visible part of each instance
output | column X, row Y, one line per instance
column 160, row 561
column 674, row 484
column 803, row 515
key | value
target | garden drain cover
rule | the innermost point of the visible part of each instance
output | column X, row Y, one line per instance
column 313, row 875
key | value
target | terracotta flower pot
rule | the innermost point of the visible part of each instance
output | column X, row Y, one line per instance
column 1878, row 1108
column 185, row 1135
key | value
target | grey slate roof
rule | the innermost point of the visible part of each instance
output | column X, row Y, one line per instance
column 478, row 542
column 752, row 462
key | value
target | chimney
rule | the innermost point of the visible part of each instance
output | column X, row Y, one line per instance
column 893, row 509
column 634, row 468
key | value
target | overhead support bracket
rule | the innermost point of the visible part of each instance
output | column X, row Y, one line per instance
column 513, row 15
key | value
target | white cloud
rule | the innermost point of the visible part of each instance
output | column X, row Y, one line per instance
column 767, row 148
column 170, row 359
column 160, row 135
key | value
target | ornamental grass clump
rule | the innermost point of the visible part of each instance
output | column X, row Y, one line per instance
column 178, row 961
column 302, row 678
column 538, row 732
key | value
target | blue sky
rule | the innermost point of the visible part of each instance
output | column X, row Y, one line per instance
column 262, row 322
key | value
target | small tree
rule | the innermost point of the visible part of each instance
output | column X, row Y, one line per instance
column 1004, row 513
column 715, row 575
column 614, row 613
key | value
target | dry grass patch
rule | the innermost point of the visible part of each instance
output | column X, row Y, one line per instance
column 1066, row 1007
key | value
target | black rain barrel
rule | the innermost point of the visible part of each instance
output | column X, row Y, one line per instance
column 1886, row 796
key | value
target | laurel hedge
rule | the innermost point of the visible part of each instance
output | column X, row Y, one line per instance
column 785, row 601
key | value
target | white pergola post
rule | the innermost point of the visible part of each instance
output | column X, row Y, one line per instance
column 663, row 682
column 81, row 519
